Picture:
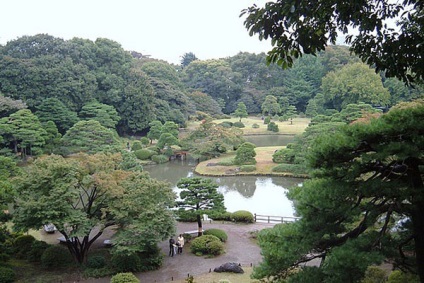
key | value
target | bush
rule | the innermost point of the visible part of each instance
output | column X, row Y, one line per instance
column 220, row 234
column 267, row 120
column 56, row 256
column 238, row 124
column 247, row 168
column 273, row 127
column 7, row 275
column 154, row 148
column 96, row 261
column 374, row 274
column 398, row 276
column 215, row 248
column 151, row 258
column 242, row 216
column 144, row 141
column 136, row 146
column 245, row 154
column 98, row 272
column 22, row 245
column 226, row 124
column 255, row 126
column 124, row 278
column 290, row 168
column 126, row 263
column 144, row 154
column 219, row 215
column 160, row 158
column 203, row 245
column 37, row 250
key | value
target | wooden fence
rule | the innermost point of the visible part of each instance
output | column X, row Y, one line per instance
column 275, row 219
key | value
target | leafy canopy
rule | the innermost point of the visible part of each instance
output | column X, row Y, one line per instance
column 307, row 27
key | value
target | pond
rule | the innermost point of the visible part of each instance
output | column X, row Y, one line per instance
column 260, row 195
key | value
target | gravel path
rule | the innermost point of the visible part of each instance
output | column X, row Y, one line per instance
column 239, row 248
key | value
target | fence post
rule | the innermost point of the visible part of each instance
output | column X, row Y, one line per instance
column 282, row 219
column 268, row 219
column 255, row 217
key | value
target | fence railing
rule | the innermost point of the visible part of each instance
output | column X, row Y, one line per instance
column 275, row 219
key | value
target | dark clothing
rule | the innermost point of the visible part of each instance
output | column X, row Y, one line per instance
column 171, row 247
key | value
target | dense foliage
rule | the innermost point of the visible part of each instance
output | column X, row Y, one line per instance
column 363, row 204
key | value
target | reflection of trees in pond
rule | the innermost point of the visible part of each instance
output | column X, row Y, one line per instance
column 286, row 182
column 246, row 186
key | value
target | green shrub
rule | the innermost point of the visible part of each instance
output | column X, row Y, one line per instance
column 398, row 276
column 290, row 168
column 7, row 275
column 144, row 154
column 255, row 126
column 226, row 124
column 202, row 245
column 215, row 248
column 37, row 250
column 22, row 245
column 374, row 274
column 267, row 120
column 226, row 163
column 220, row 215
column 273, row 127
column 220, row 234
column 247, row 168
column 245, row 154
column 284, row 155
column 144, row 141
column 126, row 263
column 154, row 148
column 98, row 272
column 136, row 146
column 242, row 216
column 96, row 261
column 238, row 125
column 160, row 158
column 56, row 256
column 124, row 278
column 151, row 258
column 283, row 118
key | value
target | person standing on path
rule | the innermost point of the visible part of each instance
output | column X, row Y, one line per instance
column 180, row 240
column 171, row 246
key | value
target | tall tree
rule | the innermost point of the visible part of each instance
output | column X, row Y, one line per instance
column 82, row 196
column 52, row 109
column 200, row 195
column 9, row 105
column 105, row 114
column 270, row 106
column 90, row 136
column 353, row 84
column 306, row 27
column 187, row 58
column 241, row 111
column 365, row 203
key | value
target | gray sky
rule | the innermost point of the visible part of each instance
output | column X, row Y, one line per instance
column 164, row 29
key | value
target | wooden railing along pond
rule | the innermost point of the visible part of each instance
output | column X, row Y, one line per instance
column 275, row 219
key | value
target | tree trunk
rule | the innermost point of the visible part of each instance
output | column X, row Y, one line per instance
column 199, row 225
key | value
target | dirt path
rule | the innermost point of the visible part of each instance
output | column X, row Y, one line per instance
column 239, row 248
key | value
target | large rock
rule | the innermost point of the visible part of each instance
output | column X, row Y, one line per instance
column 229, row 267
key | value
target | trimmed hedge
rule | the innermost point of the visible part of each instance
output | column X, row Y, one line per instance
column 160, row 158
column 247, row 168
column 22, row 245
column 127, row 277
column 242, row 216
column 37, row 250
column 220, row 234
column 238, row 125
column 144, row 154
column 207, row 245
column 289, row 168
column 255, row 126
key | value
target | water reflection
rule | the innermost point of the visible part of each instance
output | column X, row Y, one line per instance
column 260, row 195
column 270, row 140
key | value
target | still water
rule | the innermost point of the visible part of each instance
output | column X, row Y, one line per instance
column 260, row 195
column 269, row 140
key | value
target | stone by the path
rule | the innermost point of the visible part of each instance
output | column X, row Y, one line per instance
column 229, row 267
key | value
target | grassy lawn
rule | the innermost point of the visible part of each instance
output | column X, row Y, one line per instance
column 286, row 128
column 263, row 158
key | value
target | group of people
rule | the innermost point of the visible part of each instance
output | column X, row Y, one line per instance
column 176, row 247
